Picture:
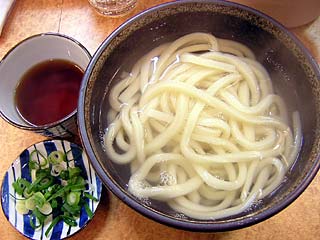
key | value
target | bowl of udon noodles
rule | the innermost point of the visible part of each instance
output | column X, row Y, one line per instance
column 202, row 115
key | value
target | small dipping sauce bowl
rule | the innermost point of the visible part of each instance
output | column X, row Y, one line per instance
column 24, row 57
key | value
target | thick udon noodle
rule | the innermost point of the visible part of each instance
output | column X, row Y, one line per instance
column 201, row 127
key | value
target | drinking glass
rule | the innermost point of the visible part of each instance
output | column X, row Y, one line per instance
column 113, row 7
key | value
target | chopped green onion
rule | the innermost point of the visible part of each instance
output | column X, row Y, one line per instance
column 37, row 162
column 54, row 203
column 30, row 204
column 88, row 210
column 55, row 185
column 34, row 186
column 42, row 172
column 59, row 193
column 19, row 185
column 69, row 220
column 51, row 190
column 21, row 207
column 53, row 223
column 33, row 173
column 89, row 196
column 33, row 165
column 39, row 199
column 41, row 217
column 56, row 157
column 47, row 194
column 77, row 187
column 64, row 174
column 73, row 210
column 18, row 188
column 73, row 172
column 56, row 170
column 27, row 193
column 46, row 209
column 73, row 198
column 45, row 182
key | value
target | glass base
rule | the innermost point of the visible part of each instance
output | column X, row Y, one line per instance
column 113, row 8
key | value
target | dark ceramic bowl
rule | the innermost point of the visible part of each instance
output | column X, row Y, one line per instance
column 295, row 77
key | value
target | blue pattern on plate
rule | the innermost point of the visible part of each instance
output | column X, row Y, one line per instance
column 14, row 179
column 24, row 159
column 20, row 168
column 26, row 226
column 50, row 147
column 5, row 197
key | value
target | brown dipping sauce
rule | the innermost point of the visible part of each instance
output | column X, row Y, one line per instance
column 48, row 91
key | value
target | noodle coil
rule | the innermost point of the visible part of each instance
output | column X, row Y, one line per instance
column 199, row 123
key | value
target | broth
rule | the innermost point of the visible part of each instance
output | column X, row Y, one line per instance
column 185, row 146
column 48, row 91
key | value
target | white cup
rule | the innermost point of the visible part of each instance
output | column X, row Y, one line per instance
column 22, row 57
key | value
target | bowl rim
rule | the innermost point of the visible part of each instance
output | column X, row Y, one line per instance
column 47, row 126
column 156, row 215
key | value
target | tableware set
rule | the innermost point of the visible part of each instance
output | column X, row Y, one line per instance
column 30, row 52
column 297, row 78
